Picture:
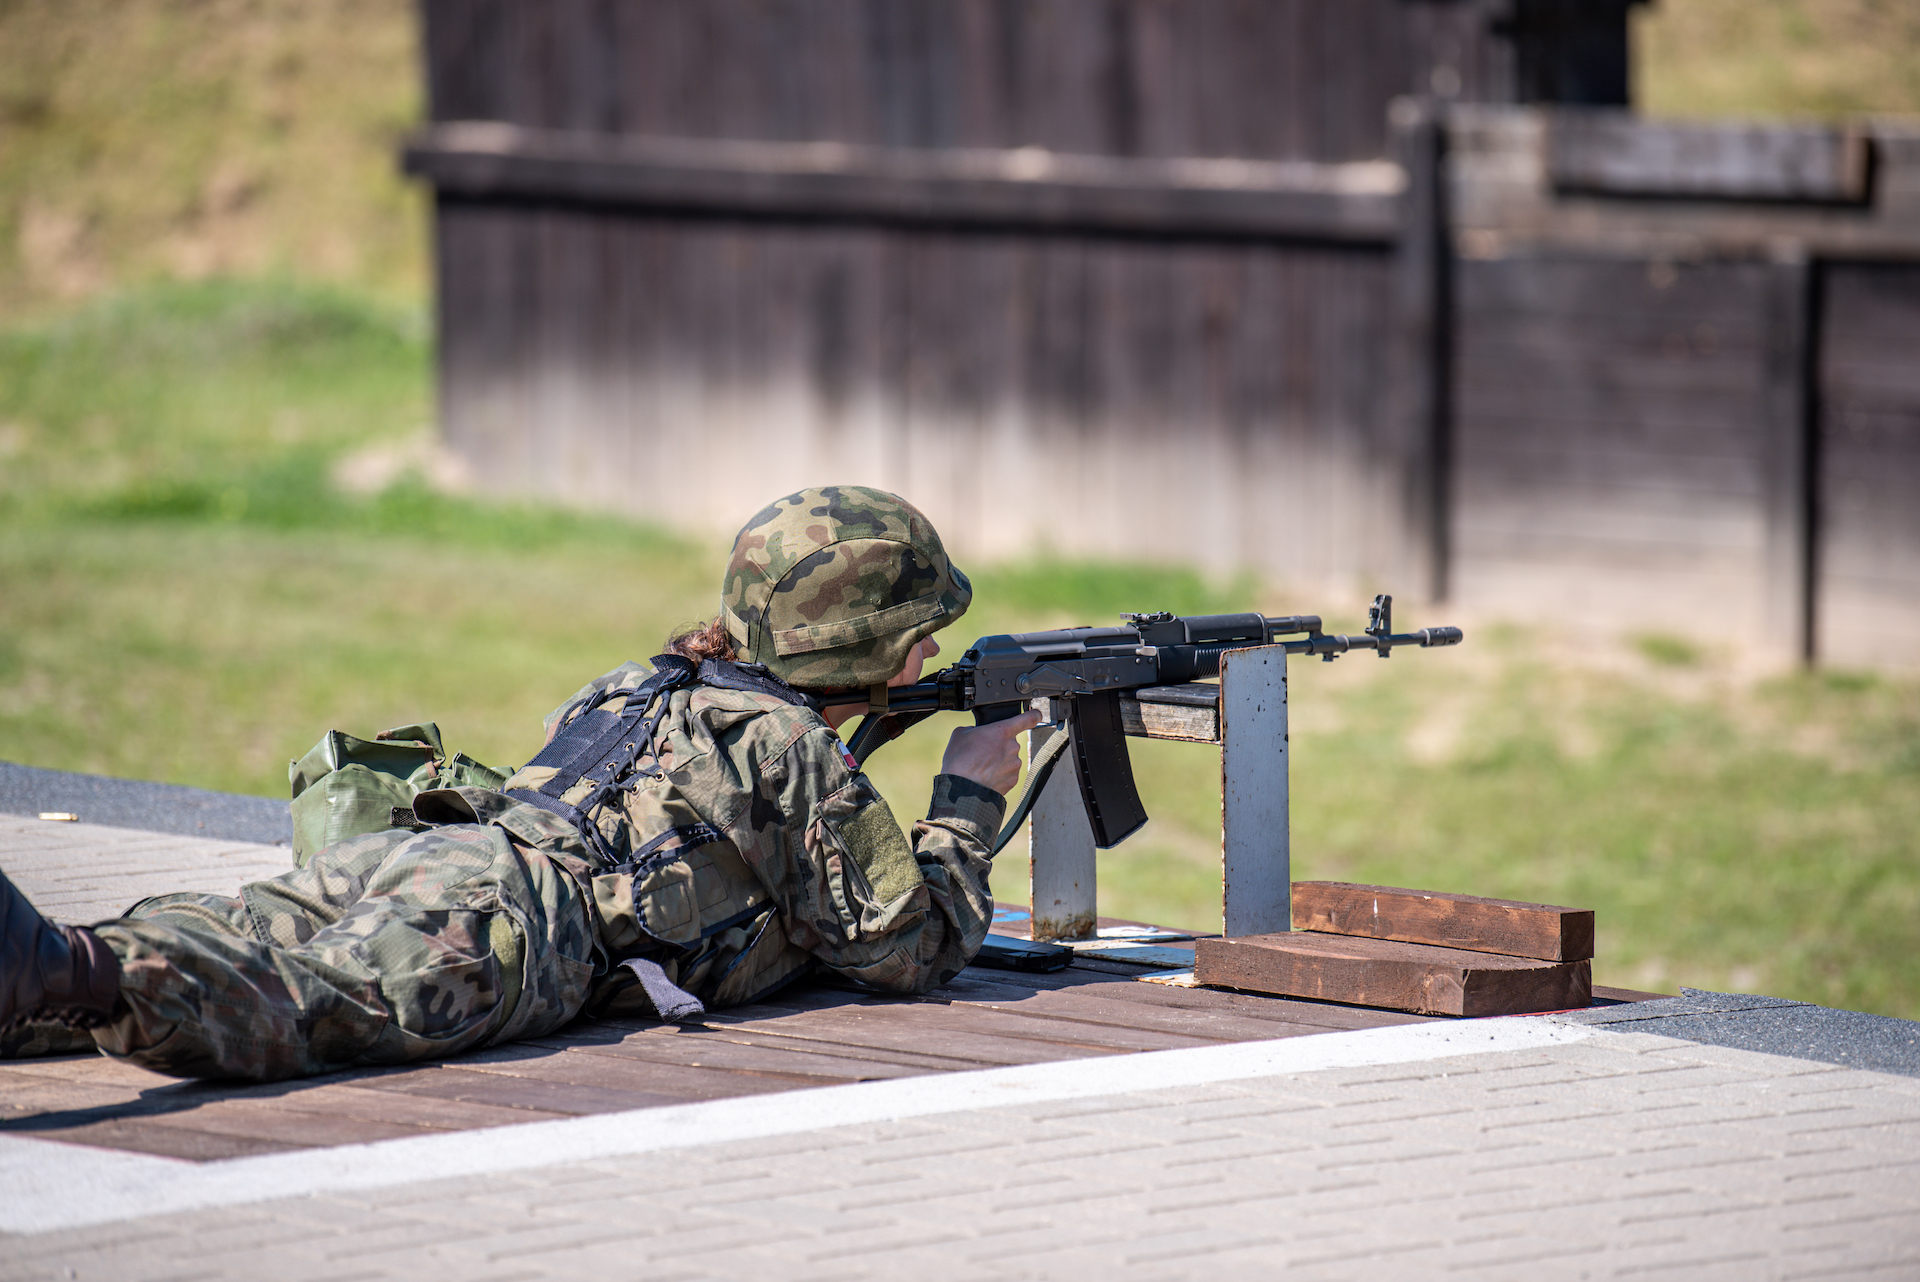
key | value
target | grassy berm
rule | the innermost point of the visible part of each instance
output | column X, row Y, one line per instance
column 185, row 595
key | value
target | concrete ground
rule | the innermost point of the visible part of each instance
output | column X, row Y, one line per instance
column 1596, row 1144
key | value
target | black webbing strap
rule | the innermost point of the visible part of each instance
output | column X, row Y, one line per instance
column 607, row 747
column 754, row 679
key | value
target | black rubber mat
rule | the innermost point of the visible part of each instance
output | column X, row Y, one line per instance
column 1771, row 1025
column 154, row 807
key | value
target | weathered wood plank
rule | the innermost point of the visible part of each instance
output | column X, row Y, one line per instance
column 582, row 1067
column 719, row 1050
column 1070, row 1038
column 1619, row 153
column 1868, row 549
column 1353, row 201
column 348, row 1099
column 1540, row 931
column 146, row 1135
column 1786, row 460
column 453, row 1081
column 1385, row 973
column 893, row 1030
column 1188, row 713
column 1217, row 1015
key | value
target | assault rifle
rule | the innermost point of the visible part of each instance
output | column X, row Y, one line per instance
column 1086, row 670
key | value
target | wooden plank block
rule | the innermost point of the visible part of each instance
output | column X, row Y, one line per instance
column 1187, row 713
column 1506, row 926
column 1380, row 972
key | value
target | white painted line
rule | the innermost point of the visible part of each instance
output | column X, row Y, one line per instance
column 46, row 1186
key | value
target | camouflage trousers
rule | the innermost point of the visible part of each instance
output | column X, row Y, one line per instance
column 385, row 949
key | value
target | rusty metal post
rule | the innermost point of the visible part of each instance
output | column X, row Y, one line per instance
column 1256, row 876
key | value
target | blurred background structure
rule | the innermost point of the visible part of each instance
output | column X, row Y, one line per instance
column 227, row 523
column 1393, row 293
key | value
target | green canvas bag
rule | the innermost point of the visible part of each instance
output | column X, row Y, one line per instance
column 346, row 786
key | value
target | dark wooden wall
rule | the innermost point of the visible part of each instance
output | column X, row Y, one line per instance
column 1684, row 370
column 1611, row 443
column 1867, row 492
column 1556, row 363
column 1169, row 390
column 1113, row 396
column 1302, row 79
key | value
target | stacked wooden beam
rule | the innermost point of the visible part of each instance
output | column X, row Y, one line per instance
column 1413, row 950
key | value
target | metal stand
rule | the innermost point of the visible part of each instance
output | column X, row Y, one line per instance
column 1249, row 723
column 1060, row 854
column 1255, row 850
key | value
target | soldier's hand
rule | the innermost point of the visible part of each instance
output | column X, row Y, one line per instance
column 989, row 754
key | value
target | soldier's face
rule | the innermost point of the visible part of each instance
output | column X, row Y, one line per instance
column 916, row 662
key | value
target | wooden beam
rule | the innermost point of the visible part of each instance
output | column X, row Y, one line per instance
column 1188, row 713
column 1185, row 713
column 1025, row 187
column 1619, row 153
column 1506, row 926
column 1396, row 976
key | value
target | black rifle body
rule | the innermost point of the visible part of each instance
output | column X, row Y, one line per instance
column 1088, row 669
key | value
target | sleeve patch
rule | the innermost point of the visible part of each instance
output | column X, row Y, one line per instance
column 873, row 838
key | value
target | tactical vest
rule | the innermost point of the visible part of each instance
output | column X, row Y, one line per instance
column 670, row 889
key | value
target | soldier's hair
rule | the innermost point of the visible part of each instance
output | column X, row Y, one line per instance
column 702, row 641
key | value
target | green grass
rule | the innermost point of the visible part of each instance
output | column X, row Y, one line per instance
column 185, row 596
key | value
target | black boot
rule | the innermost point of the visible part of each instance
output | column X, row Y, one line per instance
column 49, row 973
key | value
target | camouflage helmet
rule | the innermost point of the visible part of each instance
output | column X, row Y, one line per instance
column 834, row 586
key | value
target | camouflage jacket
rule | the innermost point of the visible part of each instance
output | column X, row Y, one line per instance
column 758, row 849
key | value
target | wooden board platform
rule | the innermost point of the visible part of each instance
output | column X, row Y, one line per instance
column 1506, row 926
column 814, row 1034
column 806, row 1036
column 1391, row 974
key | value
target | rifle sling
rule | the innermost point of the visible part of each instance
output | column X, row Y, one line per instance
column 1037, row 775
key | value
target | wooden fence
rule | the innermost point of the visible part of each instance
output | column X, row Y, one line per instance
column 1686, row 378
column 1233, row 282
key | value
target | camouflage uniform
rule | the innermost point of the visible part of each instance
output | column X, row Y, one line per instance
column 745, row 849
